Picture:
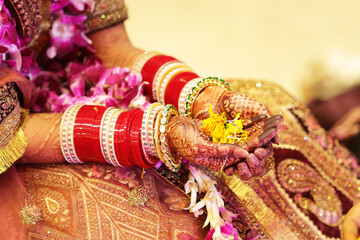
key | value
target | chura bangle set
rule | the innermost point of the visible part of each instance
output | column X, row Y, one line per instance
column 90, row 133
column 171, row 81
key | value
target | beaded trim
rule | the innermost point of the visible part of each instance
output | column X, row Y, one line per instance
column 161, row 74
column 184, row 93
column 27, row 15
column 9, row 125
column 111, row 136
column 147, row 127
column 104, row 134
column 66, row 134
column 166, row 80
column 151, row 133
column 194, row 92
column 106, row 13
column 141, row 60
column 161, row 143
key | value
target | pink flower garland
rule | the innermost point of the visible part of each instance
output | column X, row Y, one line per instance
column 80, row 81
column 13, row 49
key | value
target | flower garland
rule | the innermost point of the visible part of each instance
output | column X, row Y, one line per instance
column 218, row 217
column 13, row 49
column 66, row 76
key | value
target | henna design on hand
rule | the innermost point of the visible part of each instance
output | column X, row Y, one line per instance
column 186, row 137
column 233, row 103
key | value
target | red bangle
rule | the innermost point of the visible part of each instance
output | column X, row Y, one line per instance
column 120, row 141
column 136, row 140
column 150, row 160
column 87, row 133
column 175, row 86
column 150, row 68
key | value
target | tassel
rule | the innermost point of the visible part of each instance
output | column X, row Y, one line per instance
column 15, row 148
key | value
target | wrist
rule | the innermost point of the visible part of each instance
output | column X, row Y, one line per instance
column 209, row 95
column 113, row 47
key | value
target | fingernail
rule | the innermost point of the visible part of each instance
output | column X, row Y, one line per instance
column 240, row 153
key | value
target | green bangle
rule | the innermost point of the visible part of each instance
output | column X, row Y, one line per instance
column 194, row 92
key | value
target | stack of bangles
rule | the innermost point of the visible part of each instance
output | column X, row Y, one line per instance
column 172, row 82
column 90, row 133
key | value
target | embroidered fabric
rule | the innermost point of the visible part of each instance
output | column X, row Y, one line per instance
column 10, row 112
column 106, row 13
column 27, row 15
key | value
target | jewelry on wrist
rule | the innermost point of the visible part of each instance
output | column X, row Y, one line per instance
column 167, row 78
column 147, row 126
column 176, row 84
column 150, row 69
column 194, row 92
column 161, row 143
column 141, row 60
column 67, row 136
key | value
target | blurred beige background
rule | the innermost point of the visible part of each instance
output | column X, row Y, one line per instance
column 271, row 40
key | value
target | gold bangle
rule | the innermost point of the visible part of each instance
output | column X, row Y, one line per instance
column 147, row 127
column 162, row 145
column 184, row 93
column 194, row 92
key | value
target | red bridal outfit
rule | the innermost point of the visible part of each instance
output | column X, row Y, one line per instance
column 312, row 186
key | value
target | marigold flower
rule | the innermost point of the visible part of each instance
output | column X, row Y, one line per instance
column 224, row 131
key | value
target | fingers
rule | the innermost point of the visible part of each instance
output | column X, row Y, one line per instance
column 264, row 151
column 244, row 171
column 266, row 136
column 230, row 170
column 256, row 166
column 250, row 122
column 219, row 156
column 351, row 223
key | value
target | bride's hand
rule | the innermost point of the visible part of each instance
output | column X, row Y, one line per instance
column 232, row 103
column 185, row 137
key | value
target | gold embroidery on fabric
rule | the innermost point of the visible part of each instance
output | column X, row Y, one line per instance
column 297, row 177
column 106, row 13
column 54, row 207
column 99, row 207
column 304, row 137
column 138, row 196
column 15, row 147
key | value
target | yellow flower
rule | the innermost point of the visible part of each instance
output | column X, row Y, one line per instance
column 214, row 125
column 223, row 131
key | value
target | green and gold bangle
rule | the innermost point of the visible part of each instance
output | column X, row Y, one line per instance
column 201, row 84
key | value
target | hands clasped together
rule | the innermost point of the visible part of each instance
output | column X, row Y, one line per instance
column 186, row 137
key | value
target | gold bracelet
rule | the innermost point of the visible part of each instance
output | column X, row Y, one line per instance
column 201, row 84
column 162, row 145
column 147, row 127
